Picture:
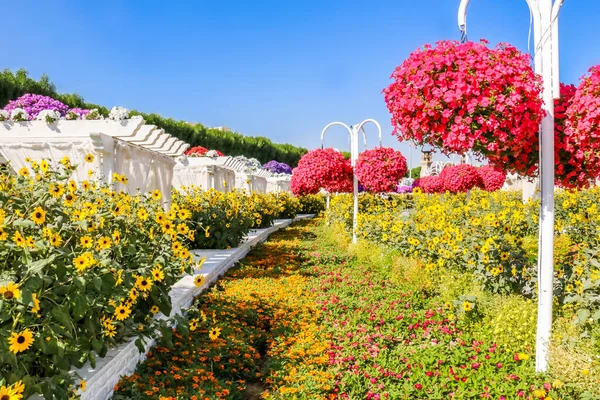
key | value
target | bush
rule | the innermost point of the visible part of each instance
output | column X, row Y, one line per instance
column 83, row 269
column 311, row 204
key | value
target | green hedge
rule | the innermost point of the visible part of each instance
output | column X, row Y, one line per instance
column 13, row 85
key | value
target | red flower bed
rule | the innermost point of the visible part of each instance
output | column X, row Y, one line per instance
column 459, row 178
column 199, row 151
column 490, row 178
column 582, row 134
column 322, row 168
column 380, row 169
column 460, row 97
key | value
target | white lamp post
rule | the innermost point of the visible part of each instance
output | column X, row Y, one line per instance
column 545, row 22
column 353, row 131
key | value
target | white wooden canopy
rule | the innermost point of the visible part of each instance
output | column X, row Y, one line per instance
column 143, row 153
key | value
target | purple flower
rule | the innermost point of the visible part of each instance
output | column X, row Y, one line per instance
column 404, row 189
column 35, row 103
column 277, row 167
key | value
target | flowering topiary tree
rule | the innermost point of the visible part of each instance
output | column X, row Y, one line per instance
column 278, row 167
column 461, row 97
column 380, row 169
column 490, row 178
column 430, row 184
column 322, row 168
column 33, row 104
column 581, row 147
column 459, row 178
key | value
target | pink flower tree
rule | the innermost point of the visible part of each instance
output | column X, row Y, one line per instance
column 461, row 97
column 322, row 168
column 490, row 178
column 459, row 178
column 380, row 169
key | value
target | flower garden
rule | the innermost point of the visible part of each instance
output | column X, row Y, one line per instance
column 437, row 299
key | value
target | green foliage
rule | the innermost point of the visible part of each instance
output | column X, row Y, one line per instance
column 13, row 85
column 415, row 173
column 311, row 204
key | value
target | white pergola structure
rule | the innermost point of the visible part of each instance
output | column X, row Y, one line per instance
column 143, row 153
column 278, row 184
column 252, row 181
column 546, row 62
column 216, row 173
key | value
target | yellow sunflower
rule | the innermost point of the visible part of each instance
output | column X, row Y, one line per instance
column 10, row 291
column 89, row 157
column 38, row 215
column 19, row 239
column 142, row 214
column 143, row 284
column 36, row 304
column 467, row 306
column 81, row 262
column 194, row 324
column 199, row 280
column 20, row 341
column 44, row 166
column 122, row 312
column 86, row 242
column 24, row 171
column 214, row 333
column 9, row 393
column 158, row 274
column 156, row 195
column 56, row 190
column 104, row 243
column 56, row 240
column 154, row 309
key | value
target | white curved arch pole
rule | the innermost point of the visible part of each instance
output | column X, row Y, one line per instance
column 329, row 126
column 546, row 60
column 361, row 126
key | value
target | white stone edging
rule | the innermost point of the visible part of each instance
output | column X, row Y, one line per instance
column 123, row 359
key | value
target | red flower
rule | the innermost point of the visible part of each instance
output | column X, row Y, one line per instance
column 418, row 386
column 199, row 151
column 380, row 169
column 490, row 178
column 322, row 168
column 430, row 184
column 459, row 178
column 460, row 97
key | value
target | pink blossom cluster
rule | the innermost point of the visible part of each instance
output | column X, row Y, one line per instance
column 322, row 168
column 430, row 184
column 459, row 178
column 580, row 155
column 380, row 169
column 490, row 178
column 460, row 97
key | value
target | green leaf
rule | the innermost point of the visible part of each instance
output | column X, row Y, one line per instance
column 24, row 223
column 596, row 315
column 140, row 345
column 80, row 307
column 583, row 314
column 36, row 267
column 61, row 313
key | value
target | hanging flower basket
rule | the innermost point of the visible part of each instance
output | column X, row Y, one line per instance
column 580, row 149
column 459, row 178
column 199, row 151
column 461, row 97
column 490, row 178
column 322, row 168
column 380, row 169
column 430, row 184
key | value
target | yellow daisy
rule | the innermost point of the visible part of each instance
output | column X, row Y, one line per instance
column 20, row 341
column 10, row 291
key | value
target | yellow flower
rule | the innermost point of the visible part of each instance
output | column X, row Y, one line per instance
column 3, row 234
column 89, row 157
column 44, row 166
column 56, row 240
column 110, row 330
column 158, row 274
column 122, row 312
column 194, row 324
column 81, row 262
column 154, row 309
column 36, row 304
column 448, row 305
column 10, row 291
column 199, row 280
column 104, row 243
column 85, row 185
column 467, row 306
column 56, row 190
column 585, row 371
column 214, row 333
column 19, row 239
column 38, row 215
column 539, row 393
column 156, row 194
column 142, row 214
column 143, row 284
column 9, row 393
column 82, row 385
column 24, row 171
column 523, row 356
column 65, row 161
column 86, row 242
column 557, row 384
column 20, row 341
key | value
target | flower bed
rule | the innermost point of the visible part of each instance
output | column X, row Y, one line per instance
column 84, row 269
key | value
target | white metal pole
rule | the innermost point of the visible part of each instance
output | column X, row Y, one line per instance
column 546, row 245
column 353, row 157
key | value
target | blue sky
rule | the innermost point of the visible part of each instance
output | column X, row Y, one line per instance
column 281, row 69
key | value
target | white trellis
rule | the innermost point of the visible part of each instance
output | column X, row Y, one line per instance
column 143, row 153
column 353, row 132
column 216, row 173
